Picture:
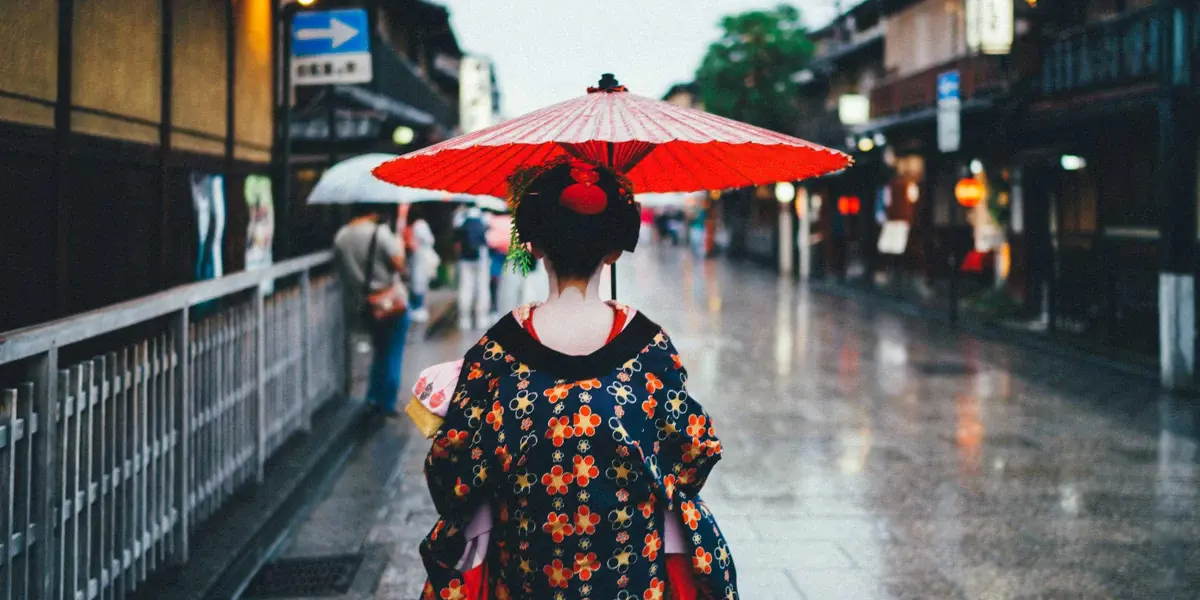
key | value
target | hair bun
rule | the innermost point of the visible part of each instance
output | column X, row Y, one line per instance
column 576, row 213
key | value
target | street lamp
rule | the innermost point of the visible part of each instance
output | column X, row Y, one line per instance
column 785, row 192
column 306, row 2
column 1070, row 162
column 403, row 136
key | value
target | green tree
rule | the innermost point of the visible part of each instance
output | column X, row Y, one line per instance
column 747, row 74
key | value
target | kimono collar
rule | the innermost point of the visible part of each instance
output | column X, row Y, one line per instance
column 509, row 332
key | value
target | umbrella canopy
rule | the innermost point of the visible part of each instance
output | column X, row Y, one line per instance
column 659, row 146
column 351, row 182
column 675, row 200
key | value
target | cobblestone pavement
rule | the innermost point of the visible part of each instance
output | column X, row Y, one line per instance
column 870, row 455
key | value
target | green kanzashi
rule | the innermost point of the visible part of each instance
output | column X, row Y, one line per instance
column 519, row 259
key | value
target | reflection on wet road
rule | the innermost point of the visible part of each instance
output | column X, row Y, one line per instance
column 870, row 455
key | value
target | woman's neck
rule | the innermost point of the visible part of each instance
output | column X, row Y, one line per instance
column 567, row 292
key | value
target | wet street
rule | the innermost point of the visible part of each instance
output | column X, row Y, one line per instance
column 872, row 455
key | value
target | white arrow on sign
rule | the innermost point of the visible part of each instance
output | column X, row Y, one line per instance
column 338, row 32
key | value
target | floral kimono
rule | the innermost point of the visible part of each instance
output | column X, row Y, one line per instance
column 579, row 459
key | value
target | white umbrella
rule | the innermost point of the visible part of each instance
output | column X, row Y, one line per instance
column 669, row 200
column 351, row 182
column 491, row 203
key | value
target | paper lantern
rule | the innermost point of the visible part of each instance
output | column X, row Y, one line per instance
column 969, row 192
column 848, row 205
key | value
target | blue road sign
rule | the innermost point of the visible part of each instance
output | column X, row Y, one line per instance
column 947, row 86
column 949, row 113
column 331, row 46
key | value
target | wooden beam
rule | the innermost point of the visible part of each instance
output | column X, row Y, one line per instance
column 166, row 90
column 230, row 95
column 62, row 151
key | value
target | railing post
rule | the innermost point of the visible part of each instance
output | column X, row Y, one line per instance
column 305, row 350
column 260, row 387
column 44, row 375
column 183, row 428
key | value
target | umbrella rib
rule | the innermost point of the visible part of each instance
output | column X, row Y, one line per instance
column 499, row 156
column 648, row 122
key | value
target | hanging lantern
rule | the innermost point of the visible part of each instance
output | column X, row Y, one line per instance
column 969, row 192
column 848, row 205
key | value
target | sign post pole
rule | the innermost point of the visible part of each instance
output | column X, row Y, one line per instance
column 331, row 117
column 949, row 125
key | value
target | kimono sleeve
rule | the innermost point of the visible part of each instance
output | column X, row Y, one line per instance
column 462, row 465
column 689, row 448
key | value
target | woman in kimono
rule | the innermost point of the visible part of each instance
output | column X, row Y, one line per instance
column 570, row 445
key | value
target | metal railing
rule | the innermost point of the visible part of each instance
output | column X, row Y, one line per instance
column 109, row 465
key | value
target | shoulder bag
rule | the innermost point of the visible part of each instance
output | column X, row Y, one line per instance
column 388, row 303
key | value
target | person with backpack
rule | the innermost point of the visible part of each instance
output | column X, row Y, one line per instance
column 474, row 271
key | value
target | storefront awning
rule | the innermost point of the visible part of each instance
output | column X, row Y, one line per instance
column 916, row 117
column 384, row 104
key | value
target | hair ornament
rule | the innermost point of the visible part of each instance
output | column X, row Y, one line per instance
column 587, row 197
column 584, row 196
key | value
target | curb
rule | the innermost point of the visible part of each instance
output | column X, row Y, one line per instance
column 244, row 535
column 995, row 333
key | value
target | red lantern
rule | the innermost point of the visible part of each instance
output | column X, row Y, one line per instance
column 969, row 192
column 848, row 205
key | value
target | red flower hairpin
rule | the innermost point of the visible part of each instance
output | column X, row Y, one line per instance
column 584, row 196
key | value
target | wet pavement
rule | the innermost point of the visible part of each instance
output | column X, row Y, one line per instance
column 870, row 455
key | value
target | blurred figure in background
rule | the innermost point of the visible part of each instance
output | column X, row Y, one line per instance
column 425, row 262
column 370, row 260
column 497, row 253
column 697, row 235
column 512, row 289
column 646, row 233
column 474, row 271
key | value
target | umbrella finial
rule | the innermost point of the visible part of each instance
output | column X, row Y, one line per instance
column 608, row 83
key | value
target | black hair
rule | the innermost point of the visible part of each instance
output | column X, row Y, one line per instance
column 576, row 244
column 366, row 209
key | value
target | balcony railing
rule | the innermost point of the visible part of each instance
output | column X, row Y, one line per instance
column 110, row 464
column 1126, row 50
column 977, row 74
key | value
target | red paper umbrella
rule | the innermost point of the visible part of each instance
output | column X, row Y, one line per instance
column 659, row 146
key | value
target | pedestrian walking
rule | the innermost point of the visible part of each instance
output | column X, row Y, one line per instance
column 495, row 274
column 512, row 288
column 371, row 262
column 425, row 262
column 570, row 463
column 474, row 271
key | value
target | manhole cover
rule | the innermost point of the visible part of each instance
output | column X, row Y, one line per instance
column 943, row 368
column 305, row 577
